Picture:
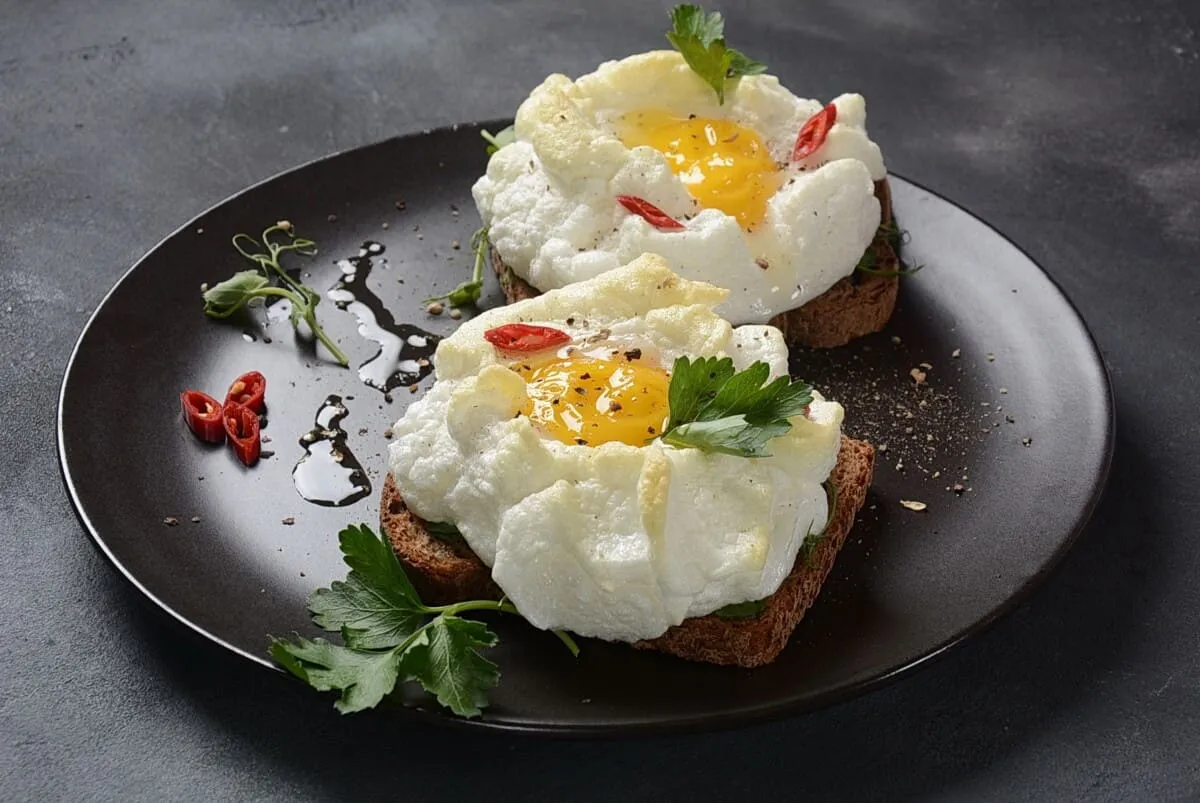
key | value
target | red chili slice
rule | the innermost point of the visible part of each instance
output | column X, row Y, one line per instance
column 249, row 390
column 649, row 212
column 241, row 426
column 202, row 413
column 813, row 133
column 525, row 337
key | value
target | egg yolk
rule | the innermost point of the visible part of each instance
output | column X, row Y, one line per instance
column 724, row 165
column 589, row 401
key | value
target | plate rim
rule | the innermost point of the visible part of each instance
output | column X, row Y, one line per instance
column 706, row 722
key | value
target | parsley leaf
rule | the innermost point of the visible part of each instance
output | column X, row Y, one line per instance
column 694, row 385
column 363, row 677
column 700, row 38
column 740, row 64
column 391, row 636
column 446, row 662
column 717, row 410
column 730, row 435
column 376, row 607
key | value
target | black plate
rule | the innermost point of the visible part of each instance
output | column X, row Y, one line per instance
column 907, row 585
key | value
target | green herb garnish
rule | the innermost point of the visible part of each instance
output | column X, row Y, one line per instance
column 505, row 136
column 445, row 532
column 229, row 296
column 700, row 38
column 469, row 292
column 891, row 234
column 813, row 540
column 748, row 610
column 717, row 409
column 392, row 637
column 741, row 610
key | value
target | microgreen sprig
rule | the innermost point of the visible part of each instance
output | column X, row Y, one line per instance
column 505, row 136
column 890, row 233
column 469, row 292
column 227, row 297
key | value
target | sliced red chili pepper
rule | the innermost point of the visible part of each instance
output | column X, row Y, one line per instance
column 250, row 390
column 202, row 413
column 649, row 212
column 813, row 132
column 241, row 427
column 525, row 337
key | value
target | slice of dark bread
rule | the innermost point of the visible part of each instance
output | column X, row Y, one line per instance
column 446, row 571
column 856, row 305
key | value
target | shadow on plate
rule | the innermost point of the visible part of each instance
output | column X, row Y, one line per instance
column 960, row 715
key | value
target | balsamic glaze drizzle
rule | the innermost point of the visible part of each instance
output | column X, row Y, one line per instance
column 404, row 349
column 328, row 473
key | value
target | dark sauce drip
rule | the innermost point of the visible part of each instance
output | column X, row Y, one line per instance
column 328, row 474
column 404, row 350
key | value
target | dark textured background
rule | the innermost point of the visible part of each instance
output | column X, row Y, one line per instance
column 1073, row 129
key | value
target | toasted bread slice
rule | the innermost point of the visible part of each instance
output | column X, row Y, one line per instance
column 856, row 305
column 443, row 570
column 447, row 571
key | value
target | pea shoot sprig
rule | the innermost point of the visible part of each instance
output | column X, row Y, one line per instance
column 469, row 292
column 226, row 298
column 505, row 136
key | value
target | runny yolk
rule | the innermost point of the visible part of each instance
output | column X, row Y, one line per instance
column 588, row 401
column 723, row 164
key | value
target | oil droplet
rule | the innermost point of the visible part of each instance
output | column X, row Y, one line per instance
column 404, row 349
column 328, row 474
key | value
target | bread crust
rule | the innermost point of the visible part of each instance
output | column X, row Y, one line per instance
column 856, row 305
column 445, row 572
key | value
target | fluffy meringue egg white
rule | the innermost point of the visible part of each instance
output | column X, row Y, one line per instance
column 777, row 233
column 547, row 463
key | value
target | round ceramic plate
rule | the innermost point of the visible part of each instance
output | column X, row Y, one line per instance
column 985, row 395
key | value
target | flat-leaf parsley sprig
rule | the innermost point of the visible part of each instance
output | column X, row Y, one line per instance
column 717, row 409
column 700, row 38
column 229, row 296
column 392, row 637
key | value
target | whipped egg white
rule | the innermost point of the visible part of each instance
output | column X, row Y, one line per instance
column 589, row 523
column 777, row 233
